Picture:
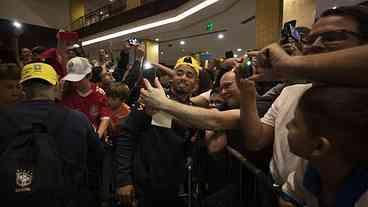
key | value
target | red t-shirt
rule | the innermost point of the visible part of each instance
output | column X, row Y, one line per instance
column 93, row 104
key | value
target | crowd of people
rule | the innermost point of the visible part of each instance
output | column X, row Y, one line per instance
column 77, row 131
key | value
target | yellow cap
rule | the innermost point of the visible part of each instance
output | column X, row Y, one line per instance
column 41, row 71
column 189, row 61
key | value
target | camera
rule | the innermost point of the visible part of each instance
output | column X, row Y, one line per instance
column 149, row 72
column 246, row 67
column 133, row 42
column 289, row 32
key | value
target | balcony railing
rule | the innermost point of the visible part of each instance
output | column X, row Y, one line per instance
column 116, row 14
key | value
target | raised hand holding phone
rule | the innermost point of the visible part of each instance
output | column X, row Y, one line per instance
column 272, row 62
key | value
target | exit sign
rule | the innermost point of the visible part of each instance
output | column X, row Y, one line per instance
column 210, row 27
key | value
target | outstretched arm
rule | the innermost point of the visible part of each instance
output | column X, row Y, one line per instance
column 339, row 67
column 195, row 116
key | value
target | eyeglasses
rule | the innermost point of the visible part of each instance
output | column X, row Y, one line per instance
column 330, row 37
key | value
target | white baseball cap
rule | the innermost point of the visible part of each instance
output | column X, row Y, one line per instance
column 77, row 68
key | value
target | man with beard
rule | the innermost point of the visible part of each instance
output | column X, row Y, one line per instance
column 150, row 158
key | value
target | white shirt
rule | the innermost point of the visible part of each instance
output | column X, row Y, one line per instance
column 278, row 116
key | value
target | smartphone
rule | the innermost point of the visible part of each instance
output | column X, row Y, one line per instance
column 289, row 31
column 246, row 67
column 229, row 54
column 149, row 72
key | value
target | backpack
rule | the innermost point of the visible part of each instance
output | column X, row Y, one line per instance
column 32, row 170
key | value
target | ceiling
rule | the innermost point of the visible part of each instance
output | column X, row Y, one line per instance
column 226, row 15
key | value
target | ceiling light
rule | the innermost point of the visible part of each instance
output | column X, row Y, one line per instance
column 220, row 36
column 236, row 55
column 177, row 18
column 182, row 42
column 157, row 39
column 17, row 24
column 335, row 7
column 239, row 49
column 162, row 52
column 101, row 12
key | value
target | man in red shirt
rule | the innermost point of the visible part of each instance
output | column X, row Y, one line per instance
column 86, row 96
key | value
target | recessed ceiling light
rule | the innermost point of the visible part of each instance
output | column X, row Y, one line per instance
column 162, row 52
column 236, row 55
column 239, row 49
column 335, row 7
column 101, row 12
column 221, row 36
column 182, row 42
column 157, row 39
column 176, row 18
column 17, row 24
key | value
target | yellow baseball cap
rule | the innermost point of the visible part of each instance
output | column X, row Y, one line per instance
column 41, row 71
column 189, row 61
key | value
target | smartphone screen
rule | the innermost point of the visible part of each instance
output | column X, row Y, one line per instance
column 150, row 74
column 246, row 68
column 229, row 54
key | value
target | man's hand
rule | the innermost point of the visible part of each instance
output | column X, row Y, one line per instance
column 154, row 97
column 232, row 63
column 273, row 62
column 126, row 195
column 246, row 86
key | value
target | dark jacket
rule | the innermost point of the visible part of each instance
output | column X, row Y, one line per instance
column 77, row 140
column 150, row 157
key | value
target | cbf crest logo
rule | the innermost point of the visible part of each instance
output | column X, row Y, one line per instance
column 23, row 180
column 37, row 67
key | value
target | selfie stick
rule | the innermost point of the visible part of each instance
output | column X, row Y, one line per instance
column 263, row 178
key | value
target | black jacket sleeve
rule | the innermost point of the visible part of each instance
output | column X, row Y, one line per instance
column 125, row 146
column 95, row 157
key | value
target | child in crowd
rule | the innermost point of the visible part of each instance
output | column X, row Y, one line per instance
column 9, row 79
column 330, row 131
column 117, row 95
column 86, row 96
column 106, row 80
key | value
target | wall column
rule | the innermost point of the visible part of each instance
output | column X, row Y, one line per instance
column 303, row 11
column 268, row 21
column 152, row 51
column 131, row 4
column 77, row 10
